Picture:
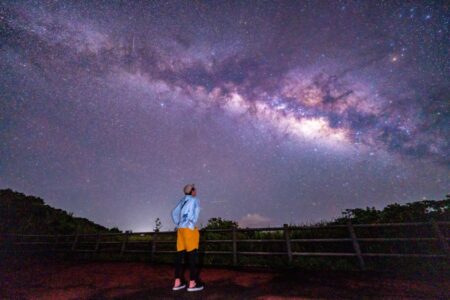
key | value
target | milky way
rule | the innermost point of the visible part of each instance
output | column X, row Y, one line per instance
column 280, row 112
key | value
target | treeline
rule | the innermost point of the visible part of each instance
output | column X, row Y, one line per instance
column 22, row 214
column 419, row 211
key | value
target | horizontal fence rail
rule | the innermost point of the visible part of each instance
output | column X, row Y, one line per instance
column 283, row 236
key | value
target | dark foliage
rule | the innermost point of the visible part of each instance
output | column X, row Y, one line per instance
column 22, row 214
column 219, row 223
column 419, row 211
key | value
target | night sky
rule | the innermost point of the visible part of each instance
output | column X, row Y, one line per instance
column 279, row 112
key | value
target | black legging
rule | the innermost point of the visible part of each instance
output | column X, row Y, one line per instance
column 193, row 257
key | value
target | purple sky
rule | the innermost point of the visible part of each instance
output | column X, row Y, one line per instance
column 279, row 112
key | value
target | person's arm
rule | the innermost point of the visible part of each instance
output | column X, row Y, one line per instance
column 176, row 214
column 196, row 211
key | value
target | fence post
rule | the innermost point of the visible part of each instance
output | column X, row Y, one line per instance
column 234, row 246
column 74, row 244
column 124, row 243
column 288, row 242
column 153, row 245
column 441, row 237
column 356, row 245
column 97, row 242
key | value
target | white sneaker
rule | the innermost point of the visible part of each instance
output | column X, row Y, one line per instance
column 177, row 288
column 198, row 287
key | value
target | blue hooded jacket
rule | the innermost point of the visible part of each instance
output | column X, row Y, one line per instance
column 185, row 214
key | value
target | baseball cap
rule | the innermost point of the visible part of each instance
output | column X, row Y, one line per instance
column 188, row 188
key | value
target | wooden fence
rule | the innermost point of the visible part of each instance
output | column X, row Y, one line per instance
column 152, row 242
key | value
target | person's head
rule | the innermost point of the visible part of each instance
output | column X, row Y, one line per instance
column 189, row 189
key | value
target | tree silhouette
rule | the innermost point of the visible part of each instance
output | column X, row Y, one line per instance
column 158, row 225
column 219, row 223
column 419, row 211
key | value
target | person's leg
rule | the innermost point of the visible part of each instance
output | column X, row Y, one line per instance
column 193, row 274
column 179, row 264
column 192, row 243
column 181, row 250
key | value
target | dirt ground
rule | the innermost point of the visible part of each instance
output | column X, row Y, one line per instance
column 134, row 280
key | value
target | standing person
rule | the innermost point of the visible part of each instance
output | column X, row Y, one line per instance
column 185, row 215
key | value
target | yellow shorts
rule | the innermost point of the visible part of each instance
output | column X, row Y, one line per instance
column 187, row 239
